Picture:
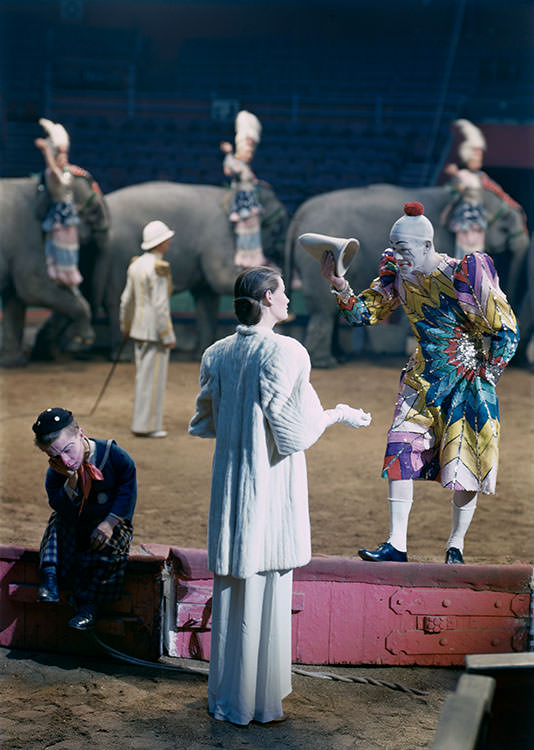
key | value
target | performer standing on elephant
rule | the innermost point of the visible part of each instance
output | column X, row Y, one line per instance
column 61, row 221
column 145, row 317
column 465, row 215
column 92, row 488
column 245, row 209
column 446, row 420
column 257, row 401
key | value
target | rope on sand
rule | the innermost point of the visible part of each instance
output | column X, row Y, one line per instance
column 204, row 670
column 360, row 680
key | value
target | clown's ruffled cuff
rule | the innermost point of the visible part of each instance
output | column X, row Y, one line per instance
column 345, row 295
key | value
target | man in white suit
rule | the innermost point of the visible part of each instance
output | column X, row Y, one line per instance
column 145, row 317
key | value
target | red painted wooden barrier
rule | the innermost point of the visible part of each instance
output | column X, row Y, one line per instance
column 132, row 624
column 347, row 611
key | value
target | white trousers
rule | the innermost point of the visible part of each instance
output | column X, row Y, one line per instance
column 250, row 661
column 152, row 364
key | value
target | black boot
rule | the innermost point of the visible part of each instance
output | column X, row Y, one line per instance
column 84, row 619
column 48, row 591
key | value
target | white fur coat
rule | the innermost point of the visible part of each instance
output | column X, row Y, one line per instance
column 257, row 400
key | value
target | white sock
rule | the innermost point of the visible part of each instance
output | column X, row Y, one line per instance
column 461, row 518
column 399, row 512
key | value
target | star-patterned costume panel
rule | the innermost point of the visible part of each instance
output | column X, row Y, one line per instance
column 446, row 420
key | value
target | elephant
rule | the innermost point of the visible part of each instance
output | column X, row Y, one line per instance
column 24, row 281
column 202, row 250
column 368, row 213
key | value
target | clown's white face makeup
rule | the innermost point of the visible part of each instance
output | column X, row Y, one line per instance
column 69, row 447
column 412, row 256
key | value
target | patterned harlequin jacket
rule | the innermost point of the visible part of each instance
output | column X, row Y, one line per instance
column 466, row 334
column 257, row 401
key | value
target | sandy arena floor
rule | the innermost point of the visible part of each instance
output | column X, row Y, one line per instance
column 53, row 701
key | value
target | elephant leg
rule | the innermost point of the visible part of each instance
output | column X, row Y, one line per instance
column 111, row 306
column 13, row 315
column 517, row 274
column 45, row 347
column 72, row 312
column 101, row 271
column 206, row 308
column 318, row 340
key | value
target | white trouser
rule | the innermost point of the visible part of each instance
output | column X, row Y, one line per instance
column 152, row 363
column 250, row 660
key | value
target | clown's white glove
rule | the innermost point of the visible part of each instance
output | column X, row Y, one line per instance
column 353, row 417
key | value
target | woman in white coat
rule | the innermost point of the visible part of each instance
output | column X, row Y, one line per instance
column 257, row 401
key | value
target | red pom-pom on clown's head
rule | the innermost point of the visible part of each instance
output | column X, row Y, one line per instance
column 414, row 209
column 412, row 225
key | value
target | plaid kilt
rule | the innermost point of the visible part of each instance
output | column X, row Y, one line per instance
column 95, row 575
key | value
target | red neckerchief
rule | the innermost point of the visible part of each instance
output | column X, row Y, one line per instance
column 86, row 473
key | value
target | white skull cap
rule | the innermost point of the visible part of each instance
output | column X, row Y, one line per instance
column 413, row 225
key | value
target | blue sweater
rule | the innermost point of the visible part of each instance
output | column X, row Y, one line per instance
column 116, row 493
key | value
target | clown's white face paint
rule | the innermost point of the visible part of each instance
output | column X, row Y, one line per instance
column 69, row 447
column 414, row 255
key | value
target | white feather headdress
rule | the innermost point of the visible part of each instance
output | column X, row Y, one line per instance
column 473, row 138
column 247, row 125
column 57, row 135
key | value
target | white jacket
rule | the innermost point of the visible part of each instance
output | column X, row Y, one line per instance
column 144, row 308
column 256, row 399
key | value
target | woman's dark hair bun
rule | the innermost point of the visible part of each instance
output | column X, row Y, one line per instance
column 249, row 289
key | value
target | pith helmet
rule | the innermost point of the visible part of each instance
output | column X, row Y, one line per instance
column 154, row 233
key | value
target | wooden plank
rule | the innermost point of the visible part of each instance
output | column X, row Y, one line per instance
column 464, row 715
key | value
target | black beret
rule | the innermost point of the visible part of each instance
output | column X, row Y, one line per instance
column 52, row 420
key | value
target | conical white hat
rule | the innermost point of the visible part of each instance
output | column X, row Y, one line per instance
column 344, row 250
column 247, row 125
column 57, row 135
column 473, row 138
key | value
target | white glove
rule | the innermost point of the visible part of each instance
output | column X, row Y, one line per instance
column 353, row 417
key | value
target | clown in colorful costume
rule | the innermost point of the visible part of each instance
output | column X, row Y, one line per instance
column 446, row 420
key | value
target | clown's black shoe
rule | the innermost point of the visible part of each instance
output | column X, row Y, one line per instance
column 385, row 552
column 454, row 556
column 48, row 590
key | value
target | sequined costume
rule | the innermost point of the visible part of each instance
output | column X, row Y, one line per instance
column 245, row 213
column 446, row 420
column 61, row 230
column 467, row 217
